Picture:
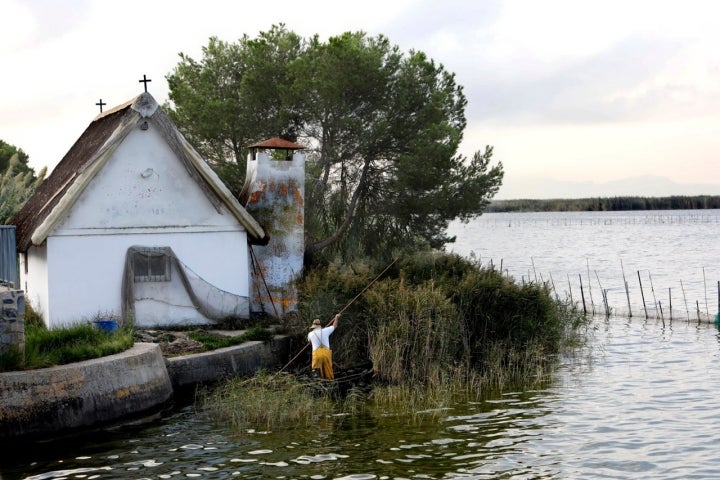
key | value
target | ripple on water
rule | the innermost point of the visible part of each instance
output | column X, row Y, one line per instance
column 616, row 413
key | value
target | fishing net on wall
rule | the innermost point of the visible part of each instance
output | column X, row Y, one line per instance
column 158, row 264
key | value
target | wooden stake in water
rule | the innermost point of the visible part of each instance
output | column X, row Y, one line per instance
column 582, row 294
column 627, row 291
column 705, row 285
column 570, row 288
column 604, row 295
column 642, row 294
column 592, row 302
column 670, row 300
column 605, row 300
column 687, row 310
column 532, row 260
column 652, row 289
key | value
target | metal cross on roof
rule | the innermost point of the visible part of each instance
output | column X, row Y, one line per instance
column 145, row 81
column 101, row 103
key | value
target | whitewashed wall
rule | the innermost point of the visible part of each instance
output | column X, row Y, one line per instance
column 277, row 200
column 85, row 275
column 143, row 196
column 35, row 285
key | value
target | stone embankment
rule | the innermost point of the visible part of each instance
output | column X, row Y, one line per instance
column 109, row 390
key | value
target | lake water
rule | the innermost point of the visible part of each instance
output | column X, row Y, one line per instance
column 640, row 401
column 671, row 258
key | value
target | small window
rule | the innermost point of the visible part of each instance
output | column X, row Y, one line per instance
column 151, row 264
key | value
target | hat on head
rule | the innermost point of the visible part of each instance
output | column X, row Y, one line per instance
column 316, row 323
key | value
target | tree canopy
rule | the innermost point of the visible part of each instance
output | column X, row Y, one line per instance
column 381, row 129
column 17, row 180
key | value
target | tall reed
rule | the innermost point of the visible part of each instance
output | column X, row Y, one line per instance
column 438, row 329
column 438, row 313
column 269, row 401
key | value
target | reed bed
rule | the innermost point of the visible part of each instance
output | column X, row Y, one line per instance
column 270, row 401
column 437, row 328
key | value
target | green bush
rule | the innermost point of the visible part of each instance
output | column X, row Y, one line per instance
column 436, row 312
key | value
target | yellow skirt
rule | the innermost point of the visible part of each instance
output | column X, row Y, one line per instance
column 322, row 360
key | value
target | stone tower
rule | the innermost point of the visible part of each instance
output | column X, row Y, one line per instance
column 274, row 194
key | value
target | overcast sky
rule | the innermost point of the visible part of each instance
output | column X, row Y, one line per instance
column 587, row 92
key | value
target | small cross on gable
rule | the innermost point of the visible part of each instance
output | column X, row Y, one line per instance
column 100, row 104
column 145, row 81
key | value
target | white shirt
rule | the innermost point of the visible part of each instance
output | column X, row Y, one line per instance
column 320, row 337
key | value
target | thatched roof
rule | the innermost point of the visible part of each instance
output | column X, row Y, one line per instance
column 54, row 197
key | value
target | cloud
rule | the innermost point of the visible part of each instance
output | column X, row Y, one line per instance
column 32, row 23
column 595, row 89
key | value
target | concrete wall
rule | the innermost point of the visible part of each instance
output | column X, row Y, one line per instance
column 84, row 394
column 276, row 198
column 209, row 367
column 59, row 400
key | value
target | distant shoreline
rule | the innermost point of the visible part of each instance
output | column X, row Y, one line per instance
column 606, row 204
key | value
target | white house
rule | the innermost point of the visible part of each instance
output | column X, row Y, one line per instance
column 133, row 223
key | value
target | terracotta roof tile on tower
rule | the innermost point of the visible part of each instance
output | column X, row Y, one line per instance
column 277, row 143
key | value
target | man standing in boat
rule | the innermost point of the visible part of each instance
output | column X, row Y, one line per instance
column 321, row 354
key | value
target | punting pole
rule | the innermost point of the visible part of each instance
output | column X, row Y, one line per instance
column 343, row 309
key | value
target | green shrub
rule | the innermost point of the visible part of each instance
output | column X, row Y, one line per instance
column 432, row 313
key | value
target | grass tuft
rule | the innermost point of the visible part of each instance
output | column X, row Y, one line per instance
column 46, row 348
column 266, row 402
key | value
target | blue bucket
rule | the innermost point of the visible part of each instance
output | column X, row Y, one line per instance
column 106, row 325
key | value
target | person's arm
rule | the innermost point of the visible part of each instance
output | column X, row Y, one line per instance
column 335, row 320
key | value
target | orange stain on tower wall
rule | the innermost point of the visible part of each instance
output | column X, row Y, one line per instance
column 298, row 197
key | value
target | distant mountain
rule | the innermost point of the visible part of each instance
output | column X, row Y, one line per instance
column 647, row 186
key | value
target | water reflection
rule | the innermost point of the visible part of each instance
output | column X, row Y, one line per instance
column 639, row 401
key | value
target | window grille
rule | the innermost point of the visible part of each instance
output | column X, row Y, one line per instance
column 151, row 264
